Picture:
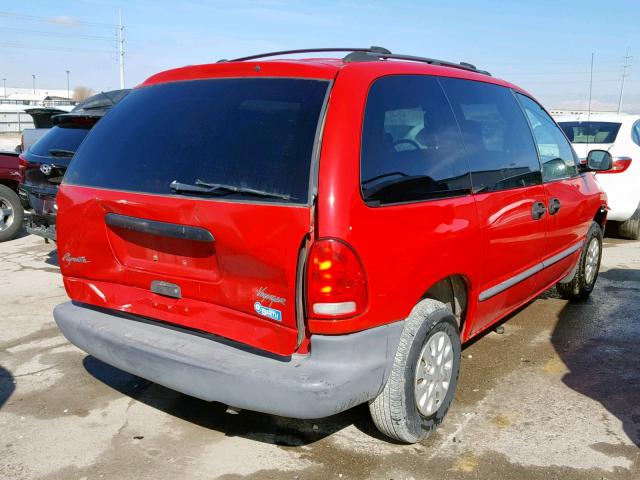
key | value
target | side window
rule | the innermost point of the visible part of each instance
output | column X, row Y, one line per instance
column 497, row 138
column 411, row 145
column 636, row 133
column 557, row 157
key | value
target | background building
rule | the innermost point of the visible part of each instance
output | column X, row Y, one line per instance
column 15, row 101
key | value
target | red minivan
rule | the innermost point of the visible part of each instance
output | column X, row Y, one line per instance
column 300, row 236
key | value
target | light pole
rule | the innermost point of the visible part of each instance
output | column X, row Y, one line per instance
column 68, row 96
column 34, row 83
column 4, row 82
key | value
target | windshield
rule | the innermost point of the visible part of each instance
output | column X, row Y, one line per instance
column 59, row 138
column 591, row 132
column 254, row 134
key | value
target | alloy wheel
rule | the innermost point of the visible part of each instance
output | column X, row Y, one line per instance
column 591, row 261
column 6, row 215
column 433, row 373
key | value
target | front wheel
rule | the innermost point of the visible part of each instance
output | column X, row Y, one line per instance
column 424, row 376
column 581, row 286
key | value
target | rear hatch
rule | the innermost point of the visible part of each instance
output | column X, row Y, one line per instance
column 47, row 160
column 42, row 116
column 190, row 202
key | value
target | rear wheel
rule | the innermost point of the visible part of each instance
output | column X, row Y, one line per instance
column 424, row 376
column 581, row 286
column 11, row 213
column 631, row 228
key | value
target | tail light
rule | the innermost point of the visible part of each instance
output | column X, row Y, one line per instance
column 76, row 121
column 25, row 165
column 336, row 281
column 619, row 165
column 22, row 167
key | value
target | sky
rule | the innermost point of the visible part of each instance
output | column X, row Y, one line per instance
column 544, row 46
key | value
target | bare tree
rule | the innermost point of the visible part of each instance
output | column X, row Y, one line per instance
column 81, row 93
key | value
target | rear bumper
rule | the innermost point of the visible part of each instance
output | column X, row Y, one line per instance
column 339, row 373
column 41, row 225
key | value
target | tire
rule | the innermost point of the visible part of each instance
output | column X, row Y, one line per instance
column 11, row 214
column 396, row 411
column 581, row 286
column 630, row 229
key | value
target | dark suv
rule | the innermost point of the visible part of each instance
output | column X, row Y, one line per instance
column 298, row 237
column 43, row 165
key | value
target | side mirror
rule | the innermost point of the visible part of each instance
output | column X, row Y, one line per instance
column 599, row 161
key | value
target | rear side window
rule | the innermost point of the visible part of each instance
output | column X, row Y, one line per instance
column 497, row 138
column 591, row 132
column 66, row 138
column 636, row 133
column 557, row 157
column 411, row 145
column 253, row 137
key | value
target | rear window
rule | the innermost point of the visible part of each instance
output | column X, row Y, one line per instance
column 591, row 132
column 256, row 135
column 60, row 138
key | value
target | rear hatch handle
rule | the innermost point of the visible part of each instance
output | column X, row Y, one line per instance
column 161, row 229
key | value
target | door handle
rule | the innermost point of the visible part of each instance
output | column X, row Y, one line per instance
column 537, row 210
column 554, row 206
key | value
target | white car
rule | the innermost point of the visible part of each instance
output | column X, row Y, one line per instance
column 619, row 134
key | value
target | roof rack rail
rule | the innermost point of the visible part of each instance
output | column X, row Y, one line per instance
column 372, row 49
column 368, row 55
column 364, row 55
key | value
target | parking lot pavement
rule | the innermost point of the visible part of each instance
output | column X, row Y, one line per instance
column 556, row 396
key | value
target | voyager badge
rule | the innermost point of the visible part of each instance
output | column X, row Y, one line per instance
column 268, row 297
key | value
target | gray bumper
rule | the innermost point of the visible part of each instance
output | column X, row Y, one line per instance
column 341, row 371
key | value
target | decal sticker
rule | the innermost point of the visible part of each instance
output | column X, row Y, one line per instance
column 268, row 312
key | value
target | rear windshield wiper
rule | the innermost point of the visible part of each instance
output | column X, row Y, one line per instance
column 222, row 189
column 61, row 153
